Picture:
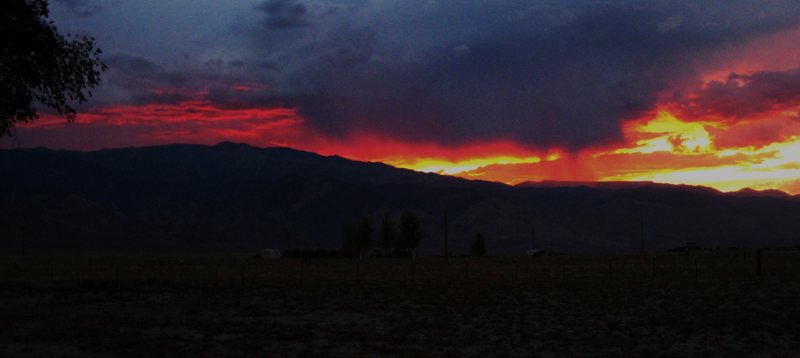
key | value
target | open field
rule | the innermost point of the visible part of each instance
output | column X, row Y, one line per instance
column 581, row 305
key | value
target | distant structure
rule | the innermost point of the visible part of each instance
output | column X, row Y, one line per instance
column 691, row 247
column 532, row 251
column 270, row 253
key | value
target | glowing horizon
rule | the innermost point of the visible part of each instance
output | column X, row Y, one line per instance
column 660, row 148
column 772, row 166
column 662, row 92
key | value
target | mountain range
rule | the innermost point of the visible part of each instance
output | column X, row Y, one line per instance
column 238, row 197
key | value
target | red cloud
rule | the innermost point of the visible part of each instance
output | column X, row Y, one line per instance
column 756, row 133
column 182, row 122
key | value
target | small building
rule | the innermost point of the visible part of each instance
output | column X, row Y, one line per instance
column 270, row 253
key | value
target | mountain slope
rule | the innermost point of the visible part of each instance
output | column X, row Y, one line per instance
column 236, row 196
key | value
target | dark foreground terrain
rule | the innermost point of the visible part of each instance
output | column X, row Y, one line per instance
column 666, row 305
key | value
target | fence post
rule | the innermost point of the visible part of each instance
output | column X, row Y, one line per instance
column 413, row 268
column 181, row 275
column 758, row 262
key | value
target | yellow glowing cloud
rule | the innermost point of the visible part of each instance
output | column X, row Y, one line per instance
column 728, row 156
column 466, row 167
column 444, row 166
column 674, row 135
column 663, row 149
column 778, row 170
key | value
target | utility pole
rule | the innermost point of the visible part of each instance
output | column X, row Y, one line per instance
column 446, row 251
column 22, row 238
column 641, row 239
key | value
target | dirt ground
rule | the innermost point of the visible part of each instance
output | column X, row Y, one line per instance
column 624, row 305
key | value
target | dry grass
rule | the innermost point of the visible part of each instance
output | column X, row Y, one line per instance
column 594, row 305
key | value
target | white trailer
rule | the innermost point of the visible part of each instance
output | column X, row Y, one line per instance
column 270, row 253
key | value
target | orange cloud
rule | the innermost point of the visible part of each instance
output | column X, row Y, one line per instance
column 757, row 133
column 668, row 150
column 762, row 154
column 428, row 156
column 706, row 140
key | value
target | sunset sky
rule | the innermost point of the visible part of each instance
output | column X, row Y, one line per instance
column 684, row 92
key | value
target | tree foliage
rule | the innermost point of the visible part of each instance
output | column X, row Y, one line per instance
column 388, row 234
column 40, row 66
column 357, row 237
column 478, row 246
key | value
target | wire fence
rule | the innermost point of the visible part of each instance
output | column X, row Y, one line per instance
column 543, row 270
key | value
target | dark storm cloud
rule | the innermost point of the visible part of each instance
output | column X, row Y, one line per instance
column 226, row 84
column 136, row 80
column 545, row 73
column 143, row 81
column 552, row 73
column 284, row 14
column 132, row 64
column 741, row 96
column 81, row 8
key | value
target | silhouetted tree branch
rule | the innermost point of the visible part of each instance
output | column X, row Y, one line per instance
column 388, row 235
column 39, row 65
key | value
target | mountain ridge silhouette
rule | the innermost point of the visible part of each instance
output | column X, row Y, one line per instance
column 235, row 196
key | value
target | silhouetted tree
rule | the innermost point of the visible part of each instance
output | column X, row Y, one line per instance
column 388, row 234
column 410, row 235
column 478, row 246
column 37, row 64
column 358, row 237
